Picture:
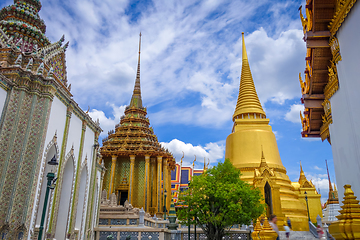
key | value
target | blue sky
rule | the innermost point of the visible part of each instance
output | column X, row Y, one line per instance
column 190, row 68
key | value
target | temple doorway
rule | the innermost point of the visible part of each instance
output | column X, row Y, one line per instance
column 122, row 197
column 268, row 199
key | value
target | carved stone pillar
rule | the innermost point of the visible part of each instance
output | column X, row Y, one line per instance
column 147, row 183
column 112, row 175
column 159, row 174
column 131, row 187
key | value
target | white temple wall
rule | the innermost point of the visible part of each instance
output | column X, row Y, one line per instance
column 88, row 149
column 56, row 123
column 81, row 210
column 74, row 136
column 3, row 95
column 345, row 129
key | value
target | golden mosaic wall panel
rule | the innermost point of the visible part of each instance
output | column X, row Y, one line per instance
column 139, row 182
column 107, row 165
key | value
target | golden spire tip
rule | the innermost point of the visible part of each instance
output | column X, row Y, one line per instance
column 244, row 54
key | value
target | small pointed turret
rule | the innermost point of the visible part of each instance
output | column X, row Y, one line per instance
column 136, row 97
column 327, row 169
column 333, row 194
column 302, row 178
column 248, row 101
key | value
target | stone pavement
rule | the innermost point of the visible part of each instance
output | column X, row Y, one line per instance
column 297, row 235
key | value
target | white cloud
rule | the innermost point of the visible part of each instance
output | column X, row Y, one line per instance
column 188, row 54
column 108, row 123
column 211, row 151
column 321, row 182
column 318, row 168
column 294, row 114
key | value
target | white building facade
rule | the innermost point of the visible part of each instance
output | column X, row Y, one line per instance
column 330, row 90
column 345, row 127
column 40, row 122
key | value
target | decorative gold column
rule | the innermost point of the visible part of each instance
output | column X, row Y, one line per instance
column 131, row 187
column 159, row 169
column 169, row 197
column 112, row 174
column 165, row 181
column 147, row 183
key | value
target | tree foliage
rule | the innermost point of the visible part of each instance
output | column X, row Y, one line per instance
column 218, row 199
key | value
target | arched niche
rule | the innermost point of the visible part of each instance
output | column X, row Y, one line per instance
column 268, row 199
column 49, row 154
column 81, row 199
column 65, row 197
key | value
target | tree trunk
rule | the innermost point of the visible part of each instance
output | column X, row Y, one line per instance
column 213, row 232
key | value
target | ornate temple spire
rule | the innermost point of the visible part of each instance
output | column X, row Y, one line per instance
column 327, row 169
column 333, row 194
column 248, row 100
column 136, row 97
column 302, row 177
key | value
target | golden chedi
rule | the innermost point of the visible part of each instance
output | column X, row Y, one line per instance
column 252, row 148
column 348, row 224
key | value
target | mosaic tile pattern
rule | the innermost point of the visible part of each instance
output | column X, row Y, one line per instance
column 28, row 164
column 106, row 181
column 236, row 236
column 133, row 235
column 133, row 222
column 117, row 222
column 103, row 235
column 139, row 181
column 6, row 139
column 12, row 169
column 150, row 235
column 104, row 221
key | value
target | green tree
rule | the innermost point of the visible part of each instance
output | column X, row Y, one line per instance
column 218, row 199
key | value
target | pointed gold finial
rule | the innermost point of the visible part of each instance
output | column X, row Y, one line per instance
column 248, row 101
column 194, row 162
column 327, row 169
column 182, row 159
column 302, row 178
column 244, row 54
column 204, row 164
column 136, row 97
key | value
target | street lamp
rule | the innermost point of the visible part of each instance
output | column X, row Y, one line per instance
column 307, row 205
column 50, row 185
column 189, row 214
column 165, row 204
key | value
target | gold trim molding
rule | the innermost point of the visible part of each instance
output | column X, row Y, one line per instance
column 333, row 85
column 343, row 7
column 326, row 120
column 335, row 50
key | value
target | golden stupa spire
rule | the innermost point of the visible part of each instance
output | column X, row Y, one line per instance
column 302, row 177
column 248, row 101
column 136, row 97
column 327, row 169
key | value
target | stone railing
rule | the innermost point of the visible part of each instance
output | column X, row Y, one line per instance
column 312, row 229
column 145, row 233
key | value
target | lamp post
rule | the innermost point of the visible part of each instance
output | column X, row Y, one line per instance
column 50, row 185
column 189, row 214
column 307, row 205
column 165, row 194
